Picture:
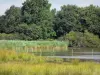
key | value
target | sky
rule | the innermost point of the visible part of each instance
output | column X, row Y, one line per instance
column 5, row 4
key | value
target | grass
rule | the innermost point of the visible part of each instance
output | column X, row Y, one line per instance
column 23, row 63
column 31, row 46
column 12, row 56
column 13, row 63
column 86, row 68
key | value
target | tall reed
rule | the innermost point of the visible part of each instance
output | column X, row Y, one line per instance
column 32, row 45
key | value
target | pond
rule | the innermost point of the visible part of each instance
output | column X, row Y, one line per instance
column 71, row 52
column 85, row 49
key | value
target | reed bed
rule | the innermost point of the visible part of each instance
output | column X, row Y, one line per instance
column 31, row 46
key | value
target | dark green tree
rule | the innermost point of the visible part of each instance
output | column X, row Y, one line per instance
column 38, row 12
column 10, row 20
column 66, row 20
column 90, row 19
column 2, row 24
column 29, row 32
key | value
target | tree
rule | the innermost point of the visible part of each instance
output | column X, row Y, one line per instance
column 2, row 24
column 35, row 11
column 29, row 32
column 38, row 12
column 35, row 20
column 90, row 19
column 66, row 20
column 10, row 20
column 80, row 39
column 91, row 40
column 75, row 39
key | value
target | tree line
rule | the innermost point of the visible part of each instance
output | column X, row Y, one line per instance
column 35, row 20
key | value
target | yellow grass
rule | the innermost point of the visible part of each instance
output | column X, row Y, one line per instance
column 87, row 68
column 12, row 63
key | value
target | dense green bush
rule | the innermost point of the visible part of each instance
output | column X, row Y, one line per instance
column 79, row 39
column 91, row 40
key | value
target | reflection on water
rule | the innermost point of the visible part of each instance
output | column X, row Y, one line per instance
column 72, row 52
column 85, row 49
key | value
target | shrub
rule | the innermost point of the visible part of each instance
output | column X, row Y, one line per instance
column 91, row 40
column 79, row 39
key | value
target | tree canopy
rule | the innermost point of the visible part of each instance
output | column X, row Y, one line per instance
column 36, row 20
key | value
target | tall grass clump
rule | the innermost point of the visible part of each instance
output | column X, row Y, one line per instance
column 12, row 56
column 31, row 46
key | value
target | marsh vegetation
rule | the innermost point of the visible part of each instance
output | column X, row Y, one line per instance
column 12, row 63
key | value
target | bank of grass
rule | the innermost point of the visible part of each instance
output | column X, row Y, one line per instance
column 13, row 63
column 86, row 68
column 12, row 56
column 31, row 46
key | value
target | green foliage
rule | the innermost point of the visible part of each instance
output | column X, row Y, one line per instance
column 38, row 13
column 75, row 38
column 35, row 11
column 35, row 20
column 90, row 19
column 66, row 19
column 29, row 32
column 10, row 20
column 78, row 39
column 91, row 40
column 73, row 18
